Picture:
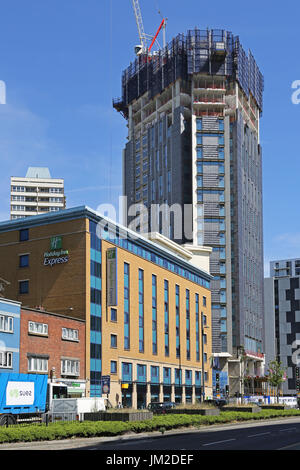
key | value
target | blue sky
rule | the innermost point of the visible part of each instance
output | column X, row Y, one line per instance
column 62, row 61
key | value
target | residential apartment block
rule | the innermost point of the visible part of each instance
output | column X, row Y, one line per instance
column 147, row 309
column 193, row 114
column 37, row 193
column 282, row 318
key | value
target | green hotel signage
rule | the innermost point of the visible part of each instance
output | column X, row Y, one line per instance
column 56, row 255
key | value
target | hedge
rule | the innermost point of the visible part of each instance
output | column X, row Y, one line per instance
column 67, row 430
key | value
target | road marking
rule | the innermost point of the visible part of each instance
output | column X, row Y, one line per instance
column 260, row 434
column 286, row 429
column 218, row 442
column 297, row 445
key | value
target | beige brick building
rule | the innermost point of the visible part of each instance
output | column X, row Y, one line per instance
column 147, row 309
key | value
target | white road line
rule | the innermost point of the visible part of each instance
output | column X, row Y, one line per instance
column 218, row 442
column 260, row 434
column 286, row 429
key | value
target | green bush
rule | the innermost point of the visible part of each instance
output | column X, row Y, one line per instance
column 66, row 430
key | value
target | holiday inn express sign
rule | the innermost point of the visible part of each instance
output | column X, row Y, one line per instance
column 56, row 255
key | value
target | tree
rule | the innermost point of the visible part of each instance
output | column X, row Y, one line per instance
column 276, row 375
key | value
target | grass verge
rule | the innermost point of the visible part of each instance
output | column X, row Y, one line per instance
column 161, row 423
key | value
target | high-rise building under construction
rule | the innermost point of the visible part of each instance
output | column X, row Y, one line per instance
column 193, row 112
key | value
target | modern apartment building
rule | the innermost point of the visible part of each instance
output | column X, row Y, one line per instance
column 193, row 114
column 35, row 194
column 146, row 307
column 282, row 318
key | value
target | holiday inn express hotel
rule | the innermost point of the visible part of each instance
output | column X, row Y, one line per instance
column 147, row 308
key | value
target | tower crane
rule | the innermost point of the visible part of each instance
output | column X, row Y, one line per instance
column 142, row 48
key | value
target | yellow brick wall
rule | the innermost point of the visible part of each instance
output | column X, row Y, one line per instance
column 133, row 355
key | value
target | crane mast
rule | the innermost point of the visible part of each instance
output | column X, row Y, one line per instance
column 142, row 47
column 140, row 25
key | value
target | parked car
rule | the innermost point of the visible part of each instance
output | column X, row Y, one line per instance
column 161, row 407
column 219, row 402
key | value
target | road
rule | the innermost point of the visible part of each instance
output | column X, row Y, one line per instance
column 269, row 436
column 279, row 434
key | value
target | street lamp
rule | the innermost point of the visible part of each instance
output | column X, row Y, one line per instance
column 202, row 354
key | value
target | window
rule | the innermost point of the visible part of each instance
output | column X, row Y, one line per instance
column 6, row 358
column 166, row 316
column 37, row 328
column 154, row 315
column 23, row 287
column 24, row 235
column 37, row 364
column 95, row 323
column 95, row 296
column 95, row 351
column 126, row 307
column 127, row 371
column 154, row 372
column 113, row 367
column 6, row 324
column 18, row 188
column 95, row 269
column 23, row 261
column 55, row 190
column 70, row 367
column 113, row 314
column 141, row 310
column 113, row 341
column 70, row 334
column 204, row 301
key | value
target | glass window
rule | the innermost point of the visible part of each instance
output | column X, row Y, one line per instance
column 70, row 367
column 113, row 367
column 23, row 261
column 6, row 359
column 37, row 328
column 113, row 341
column 199, row 139
column 23, row 287
column 37, row 364
column 113, row 314
column 24, row 235
column 70, row 334
column 6, row 323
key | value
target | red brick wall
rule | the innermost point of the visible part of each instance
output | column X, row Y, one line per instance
column 53, row 344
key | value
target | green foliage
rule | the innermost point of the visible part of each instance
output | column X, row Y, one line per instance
column 276, row 373
column 67, row 430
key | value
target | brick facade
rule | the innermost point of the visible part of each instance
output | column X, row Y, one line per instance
column 51, row 345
